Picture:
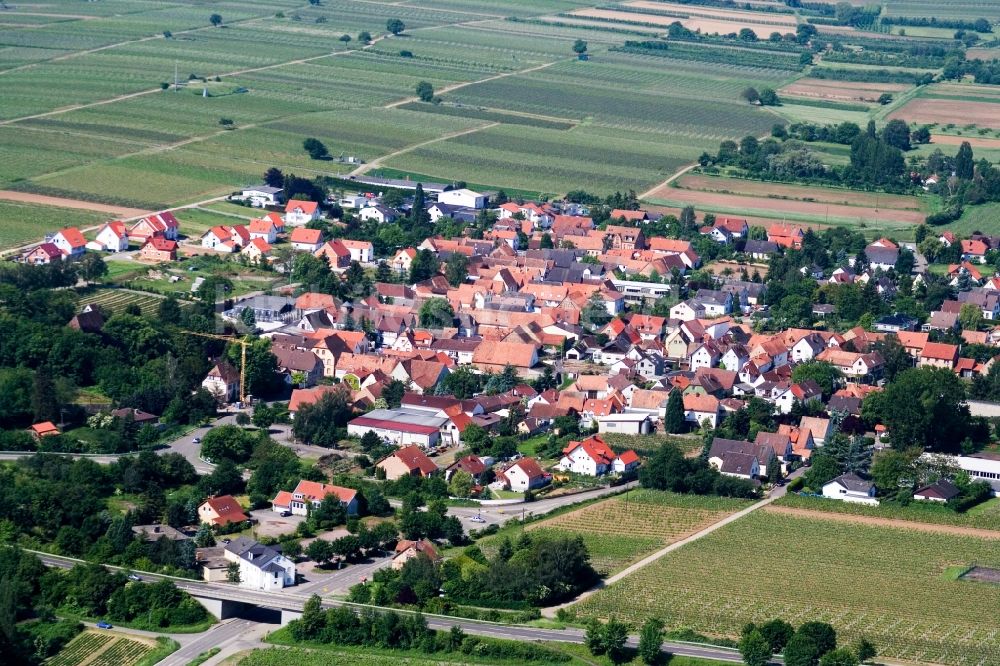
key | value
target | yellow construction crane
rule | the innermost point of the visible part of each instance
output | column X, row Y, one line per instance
column 243, row 342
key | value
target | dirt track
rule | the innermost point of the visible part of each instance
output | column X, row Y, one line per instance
column 114, row 211
column 886, row 522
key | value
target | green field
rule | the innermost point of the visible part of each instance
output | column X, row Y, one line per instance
column 102, row 649
column 985, row 516
column 884, row 583
column 107, row 133
column 22, row 223
column 116, row 300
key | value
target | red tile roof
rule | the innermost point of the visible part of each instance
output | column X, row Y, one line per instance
column 227, row 508
column 415, row 459
column 306, row 206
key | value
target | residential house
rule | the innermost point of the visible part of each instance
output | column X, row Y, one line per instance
column 221, row 510
column 625, row 423
column 336, row 254
column 362, row 252
column 312, row 493
column 851, row 488
column 223, row 382
column 402, row 259
column 44, row 429
column 306, row 240
column 525, row 474
column 407, row 461
column 759, row 249
column 257, row 251
column 261, row 567
column 974, row 251
column 802, row 393
column 379, row 213
column 784, row 235
column 42, row 254
column 158, row 249
column 940, row 491
column 938, row 355
column 161, row 224
column 701, row 408
column 264, row 229
column 406, row 550
column 112, row 237
column 298, row 212
column 70, row 242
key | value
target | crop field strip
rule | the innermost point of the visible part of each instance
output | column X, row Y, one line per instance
column 80, row 648
column 886, row 584
column 116, row 300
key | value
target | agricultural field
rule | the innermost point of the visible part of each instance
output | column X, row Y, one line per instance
column 847, row 91
column 103, row 649
column 24, row 223
column 817, row 206
column 887, row 584
column 624, row 529
column 985, row 516
column 708, row 20
column 116, row 300
column 965, row 105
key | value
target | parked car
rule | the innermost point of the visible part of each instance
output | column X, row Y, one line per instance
column 104, row 625
column 196, row 440
column 477, row 519
column 134, row 577
column 285, row 514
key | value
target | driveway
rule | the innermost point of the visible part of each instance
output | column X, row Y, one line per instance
column 273, row 524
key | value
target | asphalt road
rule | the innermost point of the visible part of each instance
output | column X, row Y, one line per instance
column 293, row 600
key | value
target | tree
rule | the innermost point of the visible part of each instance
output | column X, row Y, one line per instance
column 755, row 649
column 424, row 266
column 750, row 94
column 579, row 47
column 769, row 98
column 970, row 316
column 436, row 312
column 44, row 399
column 263, row 416
column 365, row 37
column 456, row 269
column 821, row 633
column 824, row 469
column 595, row 313
column 228, row 442
column 841, row 657
column 425, row 91
column 777, row 633
column 274, row 178
column 393, row 393
column 215, row 19
column 747, row 35
column 801, row 651
column 885, row 98
column 651, row 641
column 228, row 123
column 345, row 38
column 233, row 572
column 964, row 164
column 896, row 133
column 674, row 421
column 923, row 407
column 320, row 551
column 395, row 26
column 316, row 149
column 823, row 373
column 615, row 637
column 460, row 484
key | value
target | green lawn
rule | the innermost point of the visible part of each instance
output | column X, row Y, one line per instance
column 23, row 223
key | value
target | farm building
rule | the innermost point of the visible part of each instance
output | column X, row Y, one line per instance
column 402, row 427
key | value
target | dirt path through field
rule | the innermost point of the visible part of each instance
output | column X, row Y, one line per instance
column 974, row 141
column 28, row 197
column 551, row 611
column 886, row 522
column 378, row 161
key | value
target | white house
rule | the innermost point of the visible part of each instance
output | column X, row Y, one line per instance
column 261, row 567
column 851, row 488
column 70, row 242
column 379, row 213
column 627, row 461
column 223, row 381
column 298, row 212
column 591, row 457
column 262, row 195
column 525, row 474
column 362, row 252
column 312, row 493
column 112, row 237
column 463, row 197
column 264, row 229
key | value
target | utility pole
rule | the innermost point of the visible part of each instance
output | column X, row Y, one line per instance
column 175, row 76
